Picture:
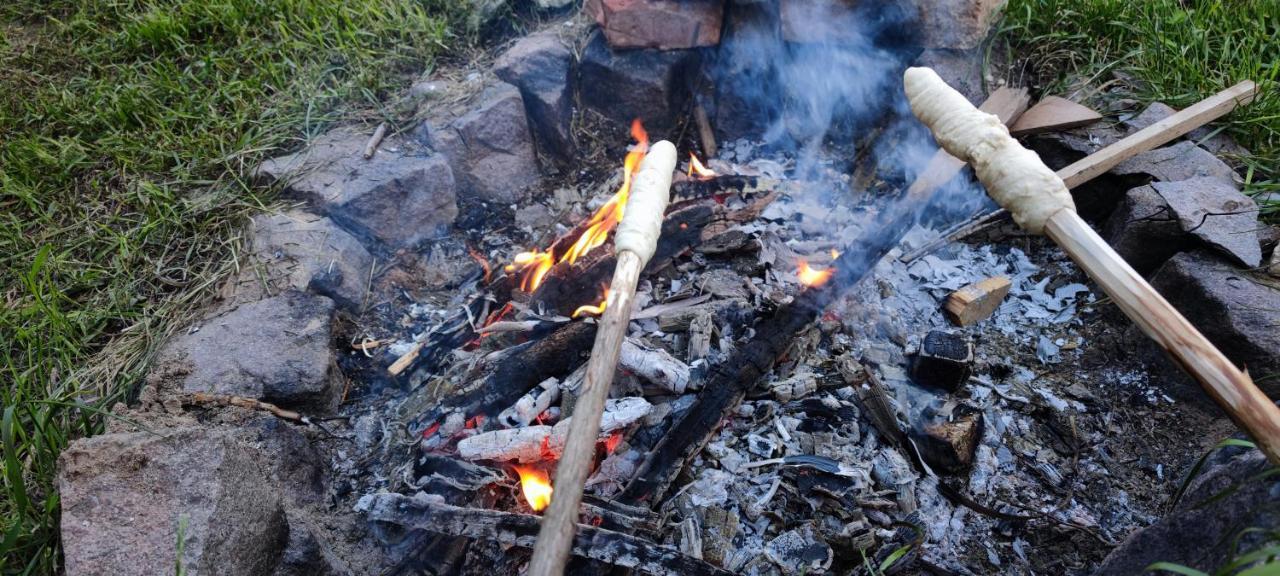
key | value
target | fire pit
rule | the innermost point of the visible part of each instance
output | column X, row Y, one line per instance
column 814, row 378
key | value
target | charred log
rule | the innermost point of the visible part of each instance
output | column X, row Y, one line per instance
column 729, row 381
column 522, row 530
column 555, row 356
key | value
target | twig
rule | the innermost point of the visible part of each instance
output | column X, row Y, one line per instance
column 203, row 398
column 372, row 145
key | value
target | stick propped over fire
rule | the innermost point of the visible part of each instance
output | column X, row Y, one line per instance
column 1040, row 203
column 635, row 243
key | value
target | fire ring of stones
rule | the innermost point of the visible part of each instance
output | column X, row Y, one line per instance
column 816, row 377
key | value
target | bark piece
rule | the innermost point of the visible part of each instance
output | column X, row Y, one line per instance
column 976, row 302
column 1051, row 114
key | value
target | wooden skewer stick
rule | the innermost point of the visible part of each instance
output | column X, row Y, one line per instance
column 1160, row 133
column 1096, row 164
column 1039, row 201
column 635, row 241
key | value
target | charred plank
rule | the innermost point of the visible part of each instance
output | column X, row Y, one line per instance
column 521, row 530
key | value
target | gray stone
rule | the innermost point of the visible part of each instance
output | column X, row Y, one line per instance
column 293, row 250
column 962, row 69
column 540, row 66
column 401, row 196
column 1273, row 266
column 1200, row 533
column 1144, row 231
column 1233, row 308
column 955, row 24
column 490, row 148
column 276, row 349
column 1181, row 161
column 1209, row 138
column 124, row 497
column 1218, row 214
column 661, row 24
column 625, row 85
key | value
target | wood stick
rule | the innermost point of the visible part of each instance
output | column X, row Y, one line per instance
column 1159, row 320
column 1161, row 132
column 1039, row 201
column 636, row 240
column 1099, row 162
column 371, row 146
column 518, row 529
column 705, row 133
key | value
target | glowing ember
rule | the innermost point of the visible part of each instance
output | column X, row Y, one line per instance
column 479, row 258
column 612, row 443
column 534, row 265
column 696, row 167
column 536, row 486
column 812, row 277
column 596, row 309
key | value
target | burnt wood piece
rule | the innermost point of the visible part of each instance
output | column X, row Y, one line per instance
column 456, row 330
column 945, row 360
column 555, row 356
column 948, row 444
column 729, row 381
column 567, row 287
column 706, row 188
column 521, row 530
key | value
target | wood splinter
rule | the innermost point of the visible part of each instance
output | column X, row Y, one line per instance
column 976, row 302
column 1040, row 202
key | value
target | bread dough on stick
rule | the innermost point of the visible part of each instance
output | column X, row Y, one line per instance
column 642, row 219
column 1015, row 177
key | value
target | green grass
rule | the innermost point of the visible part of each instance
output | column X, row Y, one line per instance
column 1174, row 51
column 126, row 130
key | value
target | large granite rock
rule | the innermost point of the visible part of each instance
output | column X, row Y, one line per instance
column 540, row 65
column 277, row 349
column 490, row 148
column 661, row 24
column 651, row 85
column 296, row 250
column 1201, row 532
column 1216, row 213
column 1144, row 231
column 128, row 498
column 401, row 196
column 1237, row 310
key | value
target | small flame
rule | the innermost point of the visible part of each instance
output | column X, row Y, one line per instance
column 835, row 253
column 812, row 277
column 535, row 265
column 696, row 167
column 536, row 486
column 596, row 309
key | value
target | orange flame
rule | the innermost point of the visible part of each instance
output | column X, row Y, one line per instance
column 696, row 167
column 596, row 309
column 535, row 265
column 536, row 486
column 812, row 277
